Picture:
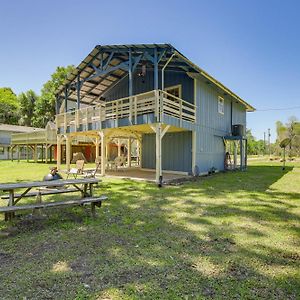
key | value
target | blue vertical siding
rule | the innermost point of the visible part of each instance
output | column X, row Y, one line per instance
column 212, row 126
column 238, row 114
column 145, row 84
column 176, row 151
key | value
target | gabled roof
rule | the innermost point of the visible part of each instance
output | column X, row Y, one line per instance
column 17, row 128
column 92, row 89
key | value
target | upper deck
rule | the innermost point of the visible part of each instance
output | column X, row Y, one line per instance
column 155, row 106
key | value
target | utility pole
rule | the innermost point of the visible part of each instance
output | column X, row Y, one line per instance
column 264, row 151
column 269, row 142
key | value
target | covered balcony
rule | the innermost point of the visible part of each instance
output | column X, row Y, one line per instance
column 156, row 106
column 132, row 92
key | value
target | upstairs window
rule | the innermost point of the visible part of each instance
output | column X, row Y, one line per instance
column 174, row 90
column 221, row 105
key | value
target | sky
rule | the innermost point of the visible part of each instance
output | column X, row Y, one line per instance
column 252, row 47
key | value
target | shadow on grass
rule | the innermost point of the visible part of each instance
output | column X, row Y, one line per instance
column 175, row 242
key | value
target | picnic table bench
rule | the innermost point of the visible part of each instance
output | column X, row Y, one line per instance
column 49, row 188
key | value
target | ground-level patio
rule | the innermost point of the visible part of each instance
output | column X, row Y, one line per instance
column 144, row 175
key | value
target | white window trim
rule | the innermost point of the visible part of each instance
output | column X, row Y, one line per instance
column 222, row 99
column 179, row 86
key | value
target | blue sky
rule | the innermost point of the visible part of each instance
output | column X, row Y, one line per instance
column 253, row 47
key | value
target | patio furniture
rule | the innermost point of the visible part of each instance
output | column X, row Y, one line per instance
column 86, row 193
column 77, row 170
column 94, row 201
column 118, row 162
column 91, row 173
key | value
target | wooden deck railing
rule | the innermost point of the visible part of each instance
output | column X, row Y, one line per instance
column 38, row 136
column 158, row 102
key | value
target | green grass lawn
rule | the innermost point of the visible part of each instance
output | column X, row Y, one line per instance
column 229, row 236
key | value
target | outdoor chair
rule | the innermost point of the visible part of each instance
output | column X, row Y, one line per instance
column 119, row 162
column 78, row 170
column 92, row 173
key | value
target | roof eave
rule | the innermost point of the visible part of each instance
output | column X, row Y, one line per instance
column 249, row 107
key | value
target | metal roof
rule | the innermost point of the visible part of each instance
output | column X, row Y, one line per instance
column 92, row 89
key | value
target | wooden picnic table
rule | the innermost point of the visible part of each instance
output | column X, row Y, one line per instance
column 86, row 190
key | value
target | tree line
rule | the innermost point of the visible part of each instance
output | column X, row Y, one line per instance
column 29, row 108
column 290, row 130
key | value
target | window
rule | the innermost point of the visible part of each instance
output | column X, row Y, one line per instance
column 221, row 105
column 174, row 90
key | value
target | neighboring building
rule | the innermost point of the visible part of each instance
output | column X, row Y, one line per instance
column 39, row 144
column 180, row 116
column 6, row 131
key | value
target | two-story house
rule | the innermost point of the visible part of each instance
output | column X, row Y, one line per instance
column 179, row 115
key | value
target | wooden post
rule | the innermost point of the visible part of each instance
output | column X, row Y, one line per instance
column 241, row 154
column 50, row 152
column 35, row 153
column 42, row 148
column 194, row 150
column 103, row 154
column 27, row 153
column 138, row 152
column 97, row 142
column 158, row 153
column 12, row 153
column 106, row 150
column 235, row 154
column 58, row 154
column 68, row 151
column 18, row 152
column 129, row 153
column 46, row 153
column 246, row 153
column 119, row 147
column 159, row 134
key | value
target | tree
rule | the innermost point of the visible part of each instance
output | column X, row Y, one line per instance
column 8, row 106
column 290, row 130
column 27, row 102
column 254, row 147
column 45, row 106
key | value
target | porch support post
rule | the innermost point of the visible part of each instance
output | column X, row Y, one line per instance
column 46, row 153
column 97, row 142
column 119, row 147
column 246, row 151
column 58, row 153
column 163, row 72
column 140, row 142
column 42, row 146
column 155, row 70
column 103, row 154
column 18, row 152
column 106, row 149
column 66, row 99
column 194, row 148
column 50, row 152
column 68, row 151
column 129, row 153
column 130, row 89
column 35, row 154
column 234, row 154
column 11, row 150
column 158, row 139
column 158, row 153
column 78, row 91
column 27, row 153
column 241, row 154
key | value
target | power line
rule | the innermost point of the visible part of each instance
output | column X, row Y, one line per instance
column 286, row 108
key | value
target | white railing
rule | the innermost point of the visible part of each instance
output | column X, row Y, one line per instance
column 158, row 102
column 36, row 136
